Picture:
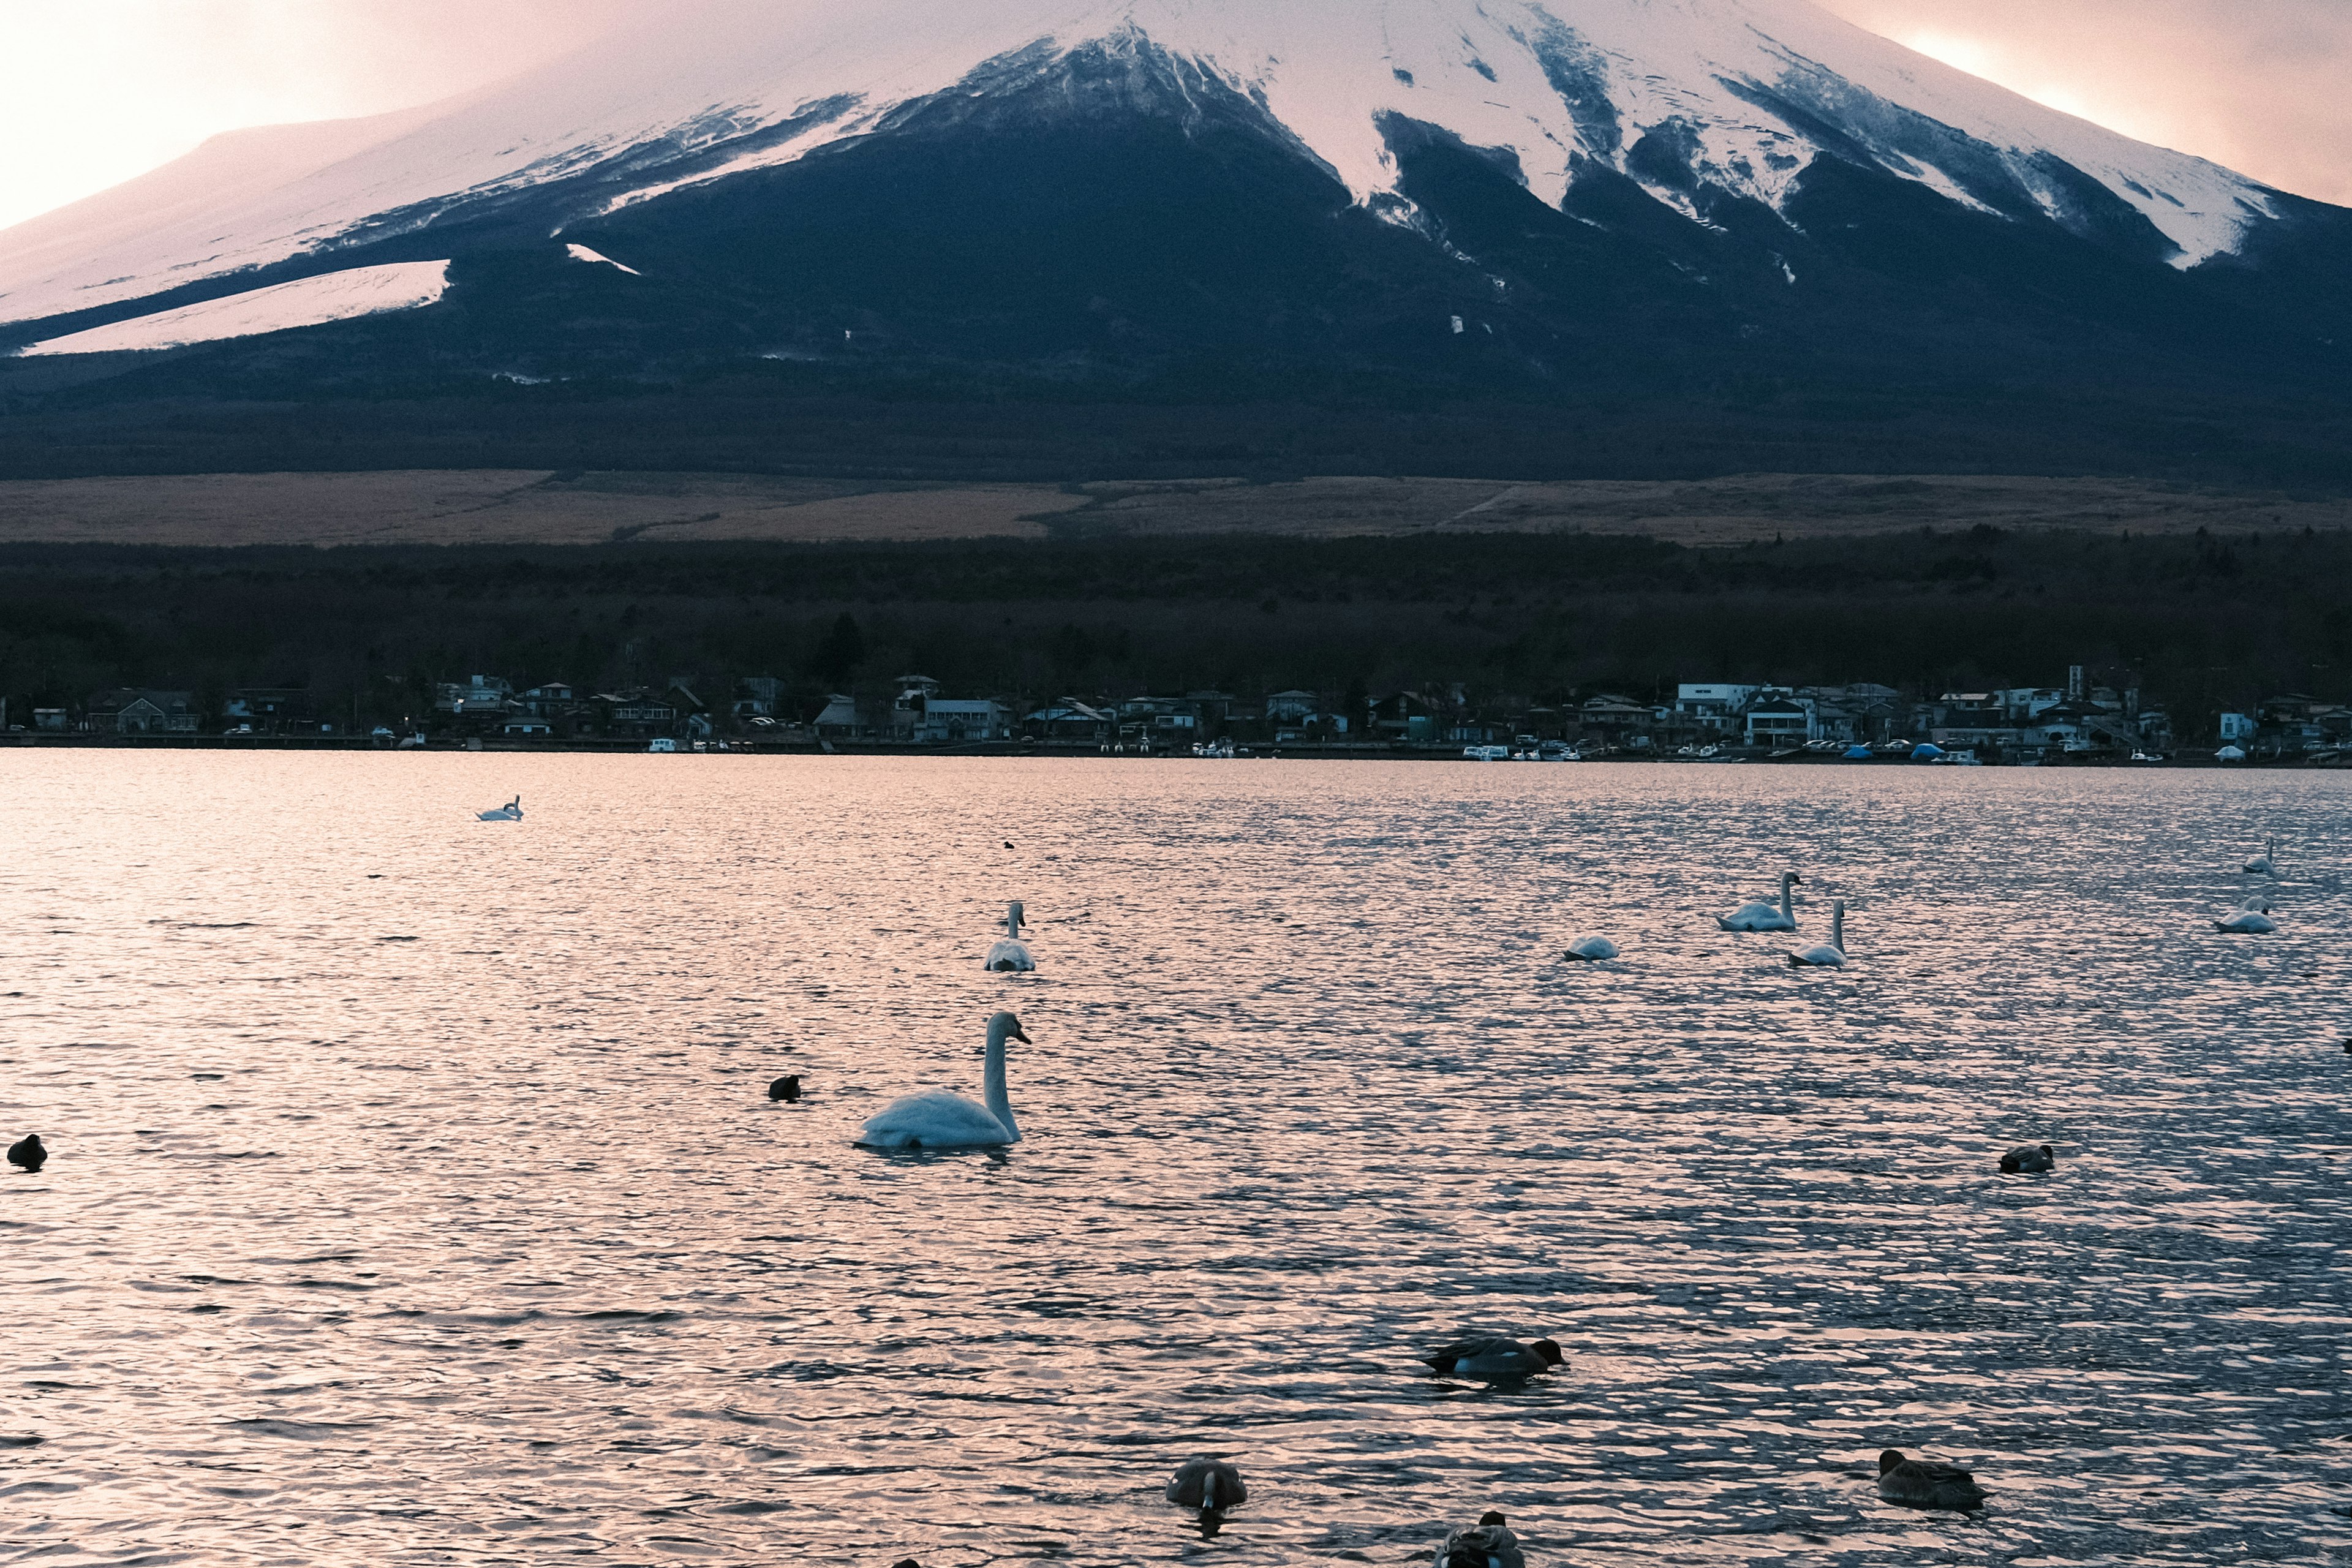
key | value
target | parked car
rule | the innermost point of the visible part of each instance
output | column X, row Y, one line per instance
column 664, row 744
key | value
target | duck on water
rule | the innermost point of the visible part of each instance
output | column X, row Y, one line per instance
column 1496, row 1357
column 1923, row 1483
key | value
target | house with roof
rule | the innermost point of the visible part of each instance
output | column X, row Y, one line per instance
column 839, row 719
column 547, row 701
column 758, row 696
column 1780, row 719
column 635, row 711
column 1069, row 721
column 948, row 720
column 127, row 711
column 1292, row 706
column 487, row 698
column 1616, row 720
column 266, row 709
column 1712, row 706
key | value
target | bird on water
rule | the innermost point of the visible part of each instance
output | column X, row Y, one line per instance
column 1590, row 950
column 28, row 1154
column 1209, row 1485
column 1496, row 1357
column 2033, row 1159
column 787, row 1087
column 1923, row 1483
column 1010, row 956
column 1830, row 954
column 1489, row 1544
column 1762, row 916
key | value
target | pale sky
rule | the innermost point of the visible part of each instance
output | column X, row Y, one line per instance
column 97, row 90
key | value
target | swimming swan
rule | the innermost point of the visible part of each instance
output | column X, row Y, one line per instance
column 510, row 812
column 1762, row 916
column 2034, row 1159
column 1832, row 956
column 1209, row 1485
column 1590, row 948
column 1923, row 1483
column 1009, row 956
column 1488, row 1544
column 2260, row 864
column 1496, row 1357
column 937, row 1119
column 2249, row 920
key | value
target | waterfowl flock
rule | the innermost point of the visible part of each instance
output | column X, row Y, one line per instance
column 1210, row 1487
column 938, row 1120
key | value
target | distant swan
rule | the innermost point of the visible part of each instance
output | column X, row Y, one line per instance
column 1923, row 1483
column 1496, row 1357
column 1209, row 1485
column 937, row 1119
column 1488, row 1544
column 1763, row 916
column 2260, row 864
column 510, row 812
column 1832, row 956
column 1590, row 948
column 2249, row 920
column 1008, row 955
column 2033, row 1159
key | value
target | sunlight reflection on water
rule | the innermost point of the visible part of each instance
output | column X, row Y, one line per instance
column 414, row 1197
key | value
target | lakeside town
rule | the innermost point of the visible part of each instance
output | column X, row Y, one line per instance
column 2078, row 723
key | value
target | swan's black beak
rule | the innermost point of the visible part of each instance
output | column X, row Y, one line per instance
column 1020, row 1036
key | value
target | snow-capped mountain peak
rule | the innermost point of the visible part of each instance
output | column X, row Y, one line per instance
column 1696, row 100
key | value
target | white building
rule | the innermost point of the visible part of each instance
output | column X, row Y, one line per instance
column 1713, row 705
column 946, row 721
column 1781, row 720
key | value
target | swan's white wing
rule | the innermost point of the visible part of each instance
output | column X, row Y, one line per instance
column 1010, row 954
column 1758, row 917
column 933, row 1120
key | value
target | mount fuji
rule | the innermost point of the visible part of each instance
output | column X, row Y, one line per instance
column 1205, row 199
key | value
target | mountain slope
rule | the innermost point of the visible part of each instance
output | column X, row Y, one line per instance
column 1352, row 200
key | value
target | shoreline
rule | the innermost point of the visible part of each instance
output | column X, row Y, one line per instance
column 1370, row 753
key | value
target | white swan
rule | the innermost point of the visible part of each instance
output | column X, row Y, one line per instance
column 1590, row 948
column 2260, row 864
column 937, row 1119
column 510, row 812
column 1008, row 955
column 1763, row 916
column 1832, row 956
column 2249, row 920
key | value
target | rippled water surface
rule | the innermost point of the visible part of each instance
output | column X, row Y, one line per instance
column 414, row 1197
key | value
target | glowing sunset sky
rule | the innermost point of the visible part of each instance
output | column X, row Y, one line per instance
column 102, row 89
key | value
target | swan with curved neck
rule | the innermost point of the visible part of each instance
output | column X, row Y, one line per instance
column 936, row 1119
column 1009, row 956
column 2252, row 918
column 1761, row 916
column 510, row 812
column 1831, row 954
column 2265, row 863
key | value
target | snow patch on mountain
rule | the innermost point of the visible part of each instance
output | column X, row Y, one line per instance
column 307, row 302
column 1689, row 98
column 582, row 253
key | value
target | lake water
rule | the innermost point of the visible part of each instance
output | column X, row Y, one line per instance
column 414, row 1198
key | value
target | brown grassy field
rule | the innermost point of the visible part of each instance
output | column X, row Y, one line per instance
column 537, row 506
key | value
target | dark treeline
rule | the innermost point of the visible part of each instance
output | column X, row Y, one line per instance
column 1727, row 422
column 2199, row 622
